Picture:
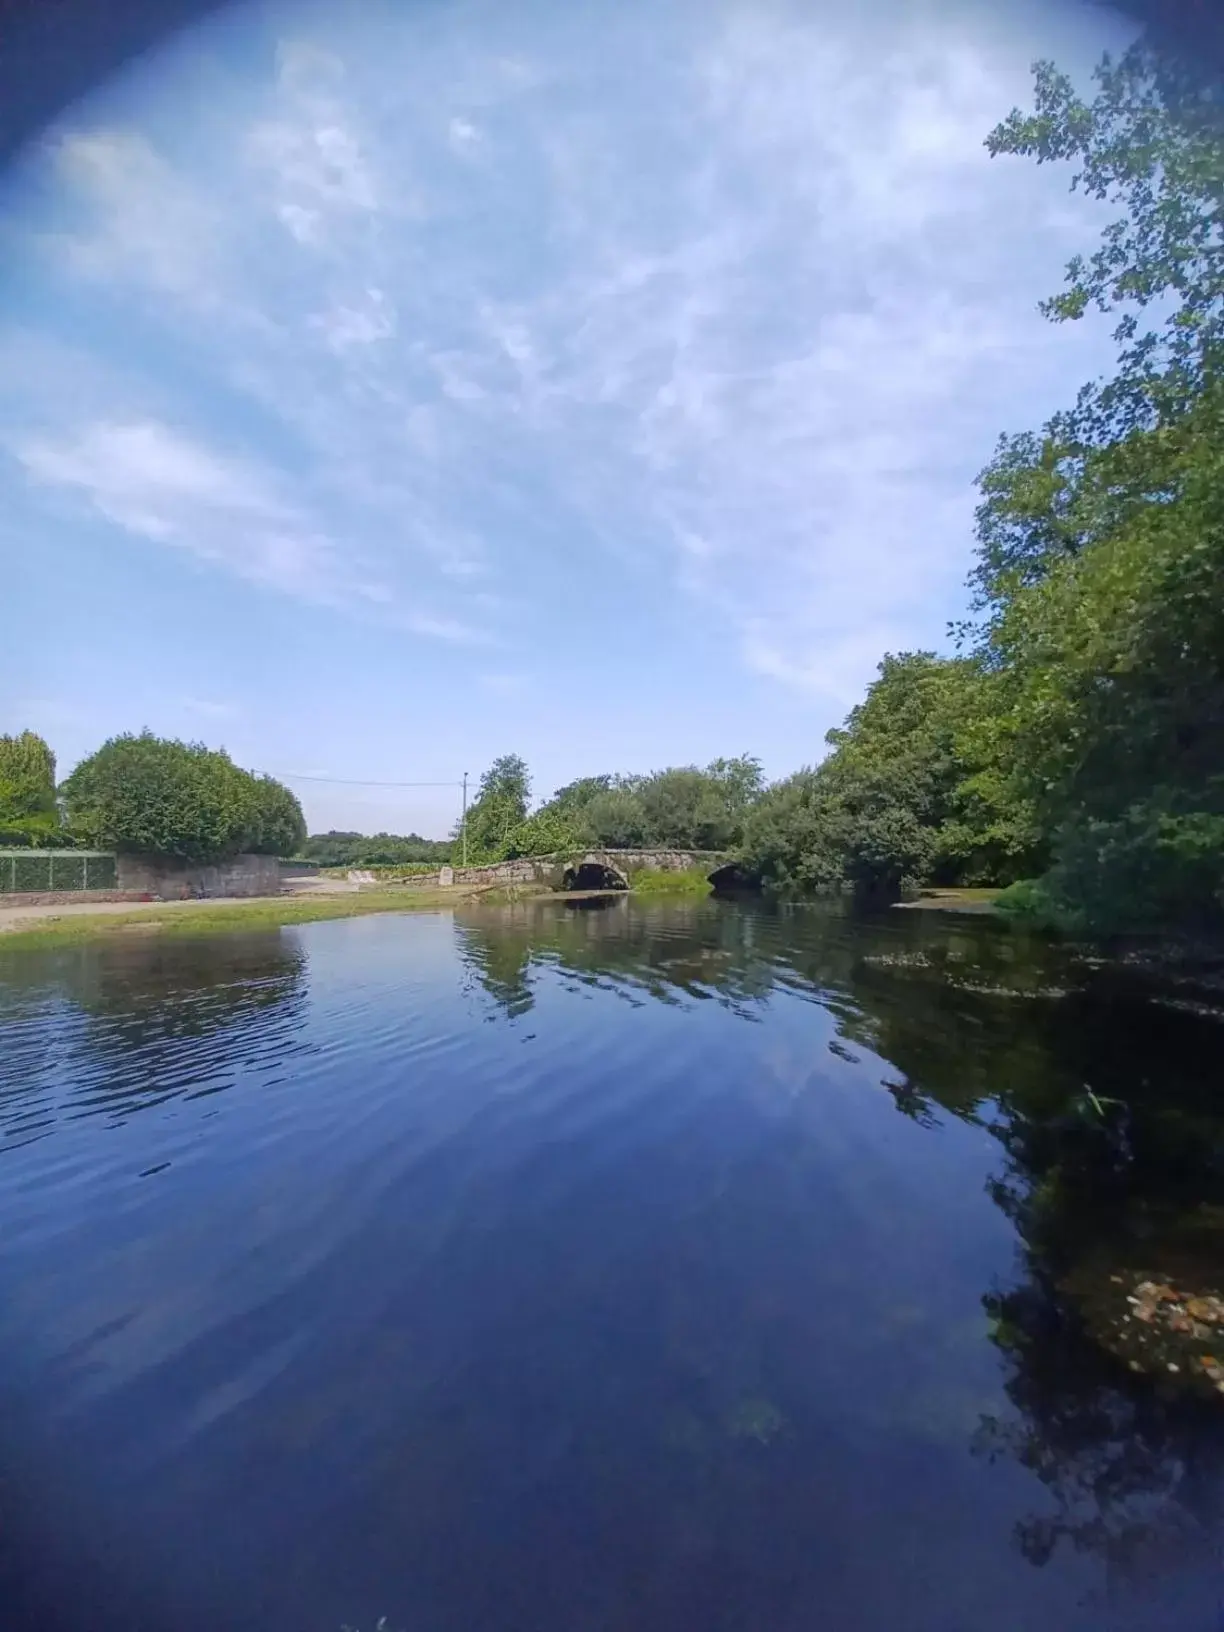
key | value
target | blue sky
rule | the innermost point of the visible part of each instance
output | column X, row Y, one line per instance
column 384, row 387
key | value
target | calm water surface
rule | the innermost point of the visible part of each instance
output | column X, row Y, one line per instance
column 642, row 1267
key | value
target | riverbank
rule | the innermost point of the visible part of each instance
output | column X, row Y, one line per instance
column 38, row 926
column 22, row 927
column 953, row 900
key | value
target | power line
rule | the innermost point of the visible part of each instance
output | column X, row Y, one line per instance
column 356, row 782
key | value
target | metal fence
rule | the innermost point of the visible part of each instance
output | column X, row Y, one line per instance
column 42, row 871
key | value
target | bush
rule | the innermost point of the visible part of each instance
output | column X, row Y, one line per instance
column 544, row 834
column 1028, row 901
column 657, row 881
column 148, row 795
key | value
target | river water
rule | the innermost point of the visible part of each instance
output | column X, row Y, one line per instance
column 628, row 1266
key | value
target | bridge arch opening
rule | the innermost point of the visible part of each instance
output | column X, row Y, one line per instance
column 732, row 879
column 593, row 875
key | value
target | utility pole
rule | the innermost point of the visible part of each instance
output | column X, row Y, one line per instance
column 465, row 818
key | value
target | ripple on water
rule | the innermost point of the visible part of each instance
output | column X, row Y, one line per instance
column 664, row 1260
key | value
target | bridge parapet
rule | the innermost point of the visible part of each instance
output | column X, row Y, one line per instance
column 619, row 865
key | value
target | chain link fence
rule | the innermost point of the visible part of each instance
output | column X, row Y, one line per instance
column 44, row 871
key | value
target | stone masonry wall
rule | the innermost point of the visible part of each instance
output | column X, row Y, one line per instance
column 67, row 898
column 174, row 881
column 549, row 869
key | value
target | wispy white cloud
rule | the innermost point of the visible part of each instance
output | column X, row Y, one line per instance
column 738, row 300
column 153, row 481
column 465, row 137
column 310, row 146
column 358, row 325
column 141, row 223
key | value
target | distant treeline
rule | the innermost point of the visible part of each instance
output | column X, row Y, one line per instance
column 684, row 806
column 341, row 849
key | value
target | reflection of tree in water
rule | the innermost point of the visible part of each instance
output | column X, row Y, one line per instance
column 1114, row 1157
column 669, row 952
column 1107, row 1180
column 1100, row 1102
column 497, row 949
column 144, row 1019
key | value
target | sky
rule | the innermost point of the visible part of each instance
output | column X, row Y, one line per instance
column 388, row 386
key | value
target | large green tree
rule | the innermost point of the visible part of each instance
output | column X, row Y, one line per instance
column 277, row 826
column 573, row 799
column 500, row 806
column 905, row 796
column 1100, row 573
column 150, row 795
column 1149, row 144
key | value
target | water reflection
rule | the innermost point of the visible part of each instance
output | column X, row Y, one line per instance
column 671, row 952
column 1099, row 1179
column 1105, row 1108
column 110, row 1029
column 548, row 1292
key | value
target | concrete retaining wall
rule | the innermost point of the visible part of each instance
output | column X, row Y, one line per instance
column 175, row 881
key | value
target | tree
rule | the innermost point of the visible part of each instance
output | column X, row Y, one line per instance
column 686, row 807
column 905, row 796
column 500, row 806
column 616, row 819
column 786, row 842
column 1150, row 142
column 276, row 824
column 741, row 781
column 1116, row 678
column 1101, row 543
column 28, row 812
column 345, row 849
column 152, row 796
column 574, row 797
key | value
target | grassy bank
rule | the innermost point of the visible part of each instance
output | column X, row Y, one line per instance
column 181, row 918
column 652, row 881
column 954, row 900
column 223, row 917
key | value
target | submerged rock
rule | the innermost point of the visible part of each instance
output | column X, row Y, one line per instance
column 756, row 1419
column 1167, row 1323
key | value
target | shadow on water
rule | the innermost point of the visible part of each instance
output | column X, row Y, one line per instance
column 556, row 1296
column 1106, row 1107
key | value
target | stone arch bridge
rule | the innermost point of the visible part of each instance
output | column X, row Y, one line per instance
column 592, row 869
